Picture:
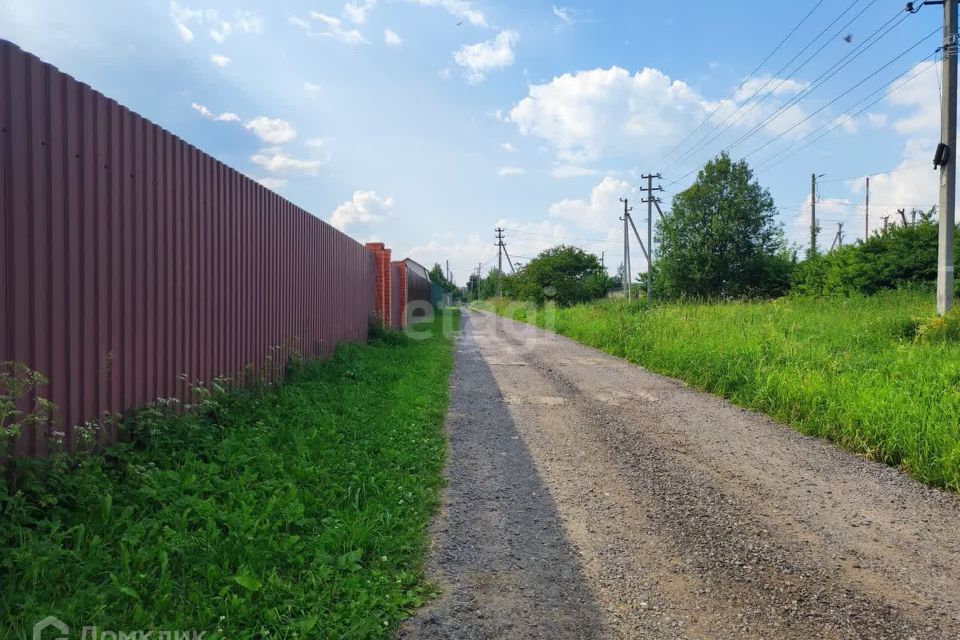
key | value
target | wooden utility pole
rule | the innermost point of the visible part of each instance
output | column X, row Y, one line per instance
column 650, row 200
column 626, row 248
column 946, row 158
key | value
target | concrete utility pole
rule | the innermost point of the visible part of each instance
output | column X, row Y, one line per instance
column 945, row 158
column 813, row 214
column 886, row 222
column 499, row 231
column 650, row 200
column 866, row 216
column 626, row 249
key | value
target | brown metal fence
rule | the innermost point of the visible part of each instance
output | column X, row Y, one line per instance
column 134, row 265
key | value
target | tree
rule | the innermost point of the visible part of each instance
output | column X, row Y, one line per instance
column 720, row 239
column 566, row 275
column 897, row 256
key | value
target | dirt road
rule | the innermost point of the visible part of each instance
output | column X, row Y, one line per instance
column 589, row 498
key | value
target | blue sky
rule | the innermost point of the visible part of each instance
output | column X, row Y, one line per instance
column 426, row 123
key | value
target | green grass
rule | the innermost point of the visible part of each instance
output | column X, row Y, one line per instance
column 853, row 370
column 294, row 512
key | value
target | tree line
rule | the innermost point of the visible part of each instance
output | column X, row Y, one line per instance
column 721, row 239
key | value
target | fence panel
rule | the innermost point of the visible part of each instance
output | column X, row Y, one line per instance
column 135, row 266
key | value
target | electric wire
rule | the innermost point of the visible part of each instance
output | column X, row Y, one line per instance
column 749, row 76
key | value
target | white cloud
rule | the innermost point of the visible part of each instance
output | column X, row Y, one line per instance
column 219, row 29
column 271, row 130
column 459, row 8
column 391, row 39
column 312, row 89
column 317, row 143
column 507, row 146
column 587, row 115
column 276, row 161
column 274, row 184
column 226, row 116
column 356, row 12
column 915, row 95
column 562, row 171
column 365, row 207
column 601, row 211
column 219, row 60
column 510, row 171
column 765, row 83
column 481, row 58
column 877, row 119
column 332, row 28
column 181, row 16
column 565, row 14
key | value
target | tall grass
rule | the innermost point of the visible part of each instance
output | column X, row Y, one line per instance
column 853, row 370
column 299, row 511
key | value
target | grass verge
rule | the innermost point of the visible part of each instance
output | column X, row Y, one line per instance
column 872, row 374
column 299, row 511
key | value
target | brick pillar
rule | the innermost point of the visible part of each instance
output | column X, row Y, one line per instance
column 381, row 266
column 402, row 302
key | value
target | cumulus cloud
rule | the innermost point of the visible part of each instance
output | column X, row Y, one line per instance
column 562, row 171
column 226, row 116
column 481, row 58
column 276, row 161
column 590, row 114
column 365, row 207
column 312, row 89
column 600, row 211
column 458, row 8
column 271, row 130
column 391, row 39
column 510, row 171
column 219, row 60
column 218, row 28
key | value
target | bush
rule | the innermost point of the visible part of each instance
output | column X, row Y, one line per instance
column 900, row 256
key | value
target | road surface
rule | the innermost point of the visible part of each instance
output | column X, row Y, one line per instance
column 589, row 498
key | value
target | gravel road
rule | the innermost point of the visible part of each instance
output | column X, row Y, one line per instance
column 589, row 498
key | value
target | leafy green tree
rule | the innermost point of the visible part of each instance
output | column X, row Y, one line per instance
column 900, row 255
column 564, row 274
column 438, row 275
column 720, row 238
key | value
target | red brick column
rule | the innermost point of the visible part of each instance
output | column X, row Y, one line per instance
column 381, row 261
column 402, row 276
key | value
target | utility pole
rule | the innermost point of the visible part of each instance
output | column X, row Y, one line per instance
column 866, row 217
column 886, row 222
column 479, row 267
column 944, row 156
column 813, row 214
column 499, row 231
column 650, row 200
column 448, row 272
column 626, row 249
column 838, row 239
column 948, row 171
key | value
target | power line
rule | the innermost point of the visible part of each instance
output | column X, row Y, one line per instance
column 858, row 84
column 876, row 173
column 718, row 131
column 742, row 82
column 769, row 163
column 820, row 80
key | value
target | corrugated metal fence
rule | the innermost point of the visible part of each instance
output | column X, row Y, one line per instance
column 134, row 265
